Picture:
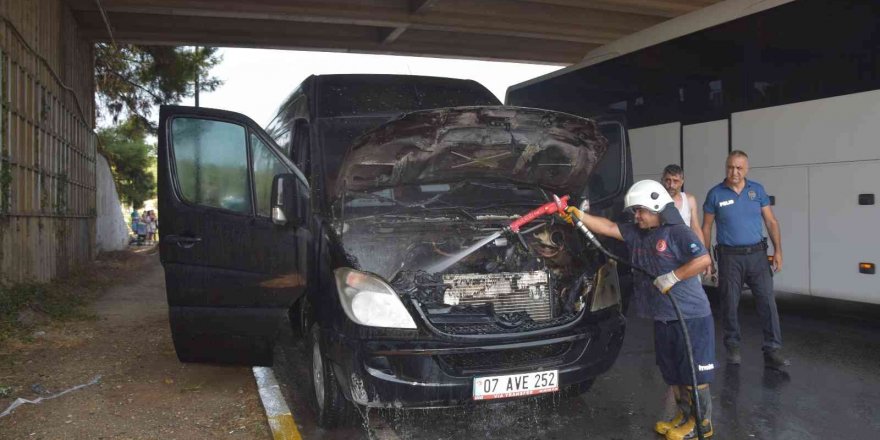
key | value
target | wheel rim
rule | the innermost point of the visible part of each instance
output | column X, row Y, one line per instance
column 318, row 374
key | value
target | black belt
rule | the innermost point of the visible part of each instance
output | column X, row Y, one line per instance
column 742, row 250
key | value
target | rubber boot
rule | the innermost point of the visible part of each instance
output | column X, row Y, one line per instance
column 688, row 429
column 733, row 355
column 774, row 360
column 683, row 409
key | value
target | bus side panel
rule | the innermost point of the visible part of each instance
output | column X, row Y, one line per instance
column 842, row 232
column 812, row 135
column 705, row 150
column 788, row 186
column 653, row 148
column 839, row 129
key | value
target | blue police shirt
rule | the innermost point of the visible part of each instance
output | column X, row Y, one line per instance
column 737, row 216
column 659, row 251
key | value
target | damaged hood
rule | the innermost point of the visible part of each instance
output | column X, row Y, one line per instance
column 553, row 150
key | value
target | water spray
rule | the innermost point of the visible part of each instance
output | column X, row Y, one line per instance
column 557, row 206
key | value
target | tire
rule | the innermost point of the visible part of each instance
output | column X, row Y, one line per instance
column 298, row 318
column 331, row 407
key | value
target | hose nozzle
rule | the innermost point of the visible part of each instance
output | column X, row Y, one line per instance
column 558, row 205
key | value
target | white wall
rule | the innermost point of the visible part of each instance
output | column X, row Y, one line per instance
column 843, row 233
column 111, row 233
column 840, row 129
column 789, row 187
column 705, row 150
column 816, row 157
column 653, row 148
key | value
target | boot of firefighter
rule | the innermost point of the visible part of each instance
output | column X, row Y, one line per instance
column 682, row 413
column 688, row 429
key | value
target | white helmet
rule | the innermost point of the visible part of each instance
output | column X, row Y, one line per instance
column 648, row 194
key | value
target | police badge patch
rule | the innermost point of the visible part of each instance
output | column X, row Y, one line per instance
column 752, row 194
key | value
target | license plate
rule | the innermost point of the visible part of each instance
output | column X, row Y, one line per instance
column 515, row 385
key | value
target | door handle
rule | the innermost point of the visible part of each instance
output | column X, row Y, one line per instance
column 182, row 241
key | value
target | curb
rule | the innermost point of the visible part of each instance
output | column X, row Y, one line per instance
column 277, row 412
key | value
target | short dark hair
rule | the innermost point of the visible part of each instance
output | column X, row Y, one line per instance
column 673, row 170
column 738, row 153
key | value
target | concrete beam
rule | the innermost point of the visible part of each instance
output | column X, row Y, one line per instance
column 655, row 8
column 388, row 36
column 421, row 6
column 187, row 30
column 483, row 17
column 509, row 27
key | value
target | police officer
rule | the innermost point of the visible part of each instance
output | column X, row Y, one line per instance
column 738, row 206
column 661, row 243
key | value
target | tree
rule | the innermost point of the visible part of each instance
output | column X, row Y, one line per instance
column 130, row 158
column 131, row 80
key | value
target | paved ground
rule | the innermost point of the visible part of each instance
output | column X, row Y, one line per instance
column 144, row 391
column 832, row 390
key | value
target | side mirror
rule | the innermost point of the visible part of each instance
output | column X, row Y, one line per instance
column 285, row 199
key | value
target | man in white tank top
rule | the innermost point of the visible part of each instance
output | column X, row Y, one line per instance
column 673, row 179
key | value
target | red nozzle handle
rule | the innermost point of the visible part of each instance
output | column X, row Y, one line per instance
column 555, row 206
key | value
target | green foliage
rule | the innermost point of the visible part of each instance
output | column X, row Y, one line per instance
column 131, row 80
column 47, row 299
column 131, row 160
column 29, row 305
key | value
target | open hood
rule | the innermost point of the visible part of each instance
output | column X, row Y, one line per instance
column 553, row 150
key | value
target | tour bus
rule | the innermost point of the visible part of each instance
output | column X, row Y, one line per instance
column 795, row 85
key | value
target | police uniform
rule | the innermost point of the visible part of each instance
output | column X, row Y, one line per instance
column 742, row 257
column 661, row 250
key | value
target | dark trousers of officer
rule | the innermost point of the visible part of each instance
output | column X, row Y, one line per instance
column 753, row 268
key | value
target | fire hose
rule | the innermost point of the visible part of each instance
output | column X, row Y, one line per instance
column 556, row 206
column 579, row 225
column 559, row 205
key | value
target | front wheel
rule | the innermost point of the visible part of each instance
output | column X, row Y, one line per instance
column 331, row 406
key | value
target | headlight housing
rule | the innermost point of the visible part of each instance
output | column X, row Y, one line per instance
column 367, row 300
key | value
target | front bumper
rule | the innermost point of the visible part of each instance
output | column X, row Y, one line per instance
column 436, row 373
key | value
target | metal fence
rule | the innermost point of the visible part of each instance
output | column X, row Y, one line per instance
column 47, row 142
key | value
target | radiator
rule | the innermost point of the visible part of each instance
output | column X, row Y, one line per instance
column 509, row 292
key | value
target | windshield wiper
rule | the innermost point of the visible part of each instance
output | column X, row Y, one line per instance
column 402, row 213
column 419, row 204
column 461, row 210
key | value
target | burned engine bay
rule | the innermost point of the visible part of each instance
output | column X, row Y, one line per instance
column 540, row 278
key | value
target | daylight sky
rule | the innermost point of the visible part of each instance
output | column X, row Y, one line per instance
column 256, row 81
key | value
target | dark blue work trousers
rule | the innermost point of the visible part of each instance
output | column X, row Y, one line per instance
column 754, row 270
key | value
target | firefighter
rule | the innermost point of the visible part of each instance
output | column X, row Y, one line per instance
column 661, row 243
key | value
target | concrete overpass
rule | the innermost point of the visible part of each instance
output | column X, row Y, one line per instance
column 48, row 155
column 539, row 31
